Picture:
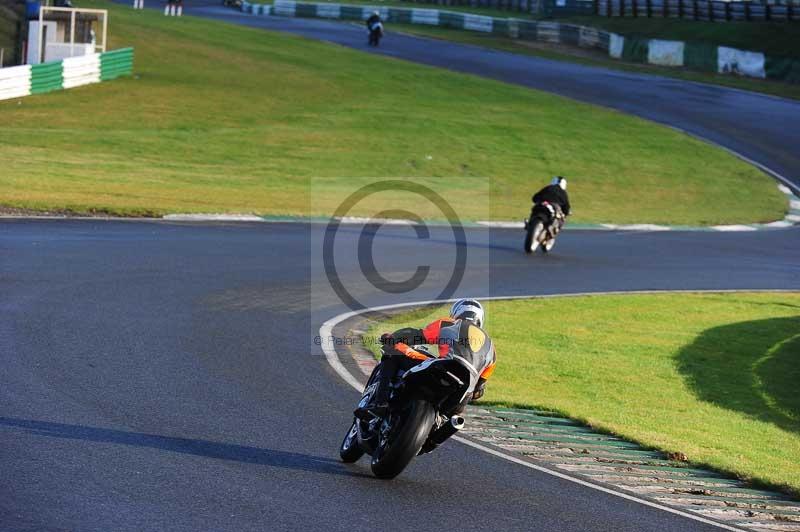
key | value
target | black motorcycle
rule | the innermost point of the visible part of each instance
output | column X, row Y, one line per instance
column 375, row 33
column 421, row 415
column 541, row 228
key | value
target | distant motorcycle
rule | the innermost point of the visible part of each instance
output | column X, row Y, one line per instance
column 375, row 33
column 541, row 228
column 419, row 418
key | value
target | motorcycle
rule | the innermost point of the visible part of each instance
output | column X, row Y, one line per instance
column 375, row 33
column 421, row 415
column 541, row 228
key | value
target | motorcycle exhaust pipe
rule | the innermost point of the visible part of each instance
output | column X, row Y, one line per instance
column 455, row 424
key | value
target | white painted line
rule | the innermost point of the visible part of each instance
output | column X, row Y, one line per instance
column 502, row 225
column 781, row 223
column 793, row 217
column 733, row 228
column 326, row 332
column 643, row 227
column 794, row 204
column 637, row 227
column 383, row 221
column 783, row 188
column 213, row 218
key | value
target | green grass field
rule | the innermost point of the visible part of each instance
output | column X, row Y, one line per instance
column 221, row 118
column 714, row 376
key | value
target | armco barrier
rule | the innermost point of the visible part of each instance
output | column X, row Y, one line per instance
column 658, row 52
column 16, row 82
column 47, row 77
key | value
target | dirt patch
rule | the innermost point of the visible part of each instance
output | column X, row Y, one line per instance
column 588, row 53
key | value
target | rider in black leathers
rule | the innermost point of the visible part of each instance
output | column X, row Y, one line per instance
column 374, row 18
column 554, row 198
column 556, row 193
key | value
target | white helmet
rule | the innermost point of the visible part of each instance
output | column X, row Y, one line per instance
column 468, row 309
column 560, row 181
column 376, row 13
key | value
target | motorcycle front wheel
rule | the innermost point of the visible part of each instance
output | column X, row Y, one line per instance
column 350, row 451
column 407, row 433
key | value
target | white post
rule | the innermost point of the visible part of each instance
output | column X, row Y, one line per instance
column 72, row 35
column 180, row 9
column 105, row 28
column 166, row 10
column 2, row 53
column 41, row 35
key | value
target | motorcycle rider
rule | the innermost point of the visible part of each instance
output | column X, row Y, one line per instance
column 374, row 18
column 453, row 335
column 554, row 194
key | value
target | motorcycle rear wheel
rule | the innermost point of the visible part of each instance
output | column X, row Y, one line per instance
column 404, row 442
column 548, row 244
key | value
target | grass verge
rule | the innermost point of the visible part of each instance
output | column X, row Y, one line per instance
column 221, row 118
column 713, row 376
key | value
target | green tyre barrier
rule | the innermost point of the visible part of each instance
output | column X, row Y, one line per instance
column 783, row 68
column 306, row 10
column 635, row 50
column 400, row 16
column 351, row 13
column 47, row 77
column 451, row 20
column 701, row 57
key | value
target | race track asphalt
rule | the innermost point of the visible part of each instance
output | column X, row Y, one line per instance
column 160, row 376
column 163, row 376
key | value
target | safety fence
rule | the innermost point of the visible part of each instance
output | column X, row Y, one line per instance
column 704, row 10
column 71, row 72
column 701, row 57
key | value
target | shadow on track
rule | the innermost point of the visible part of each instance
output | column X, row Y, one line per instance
column 210, row 449
column 751, row 367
